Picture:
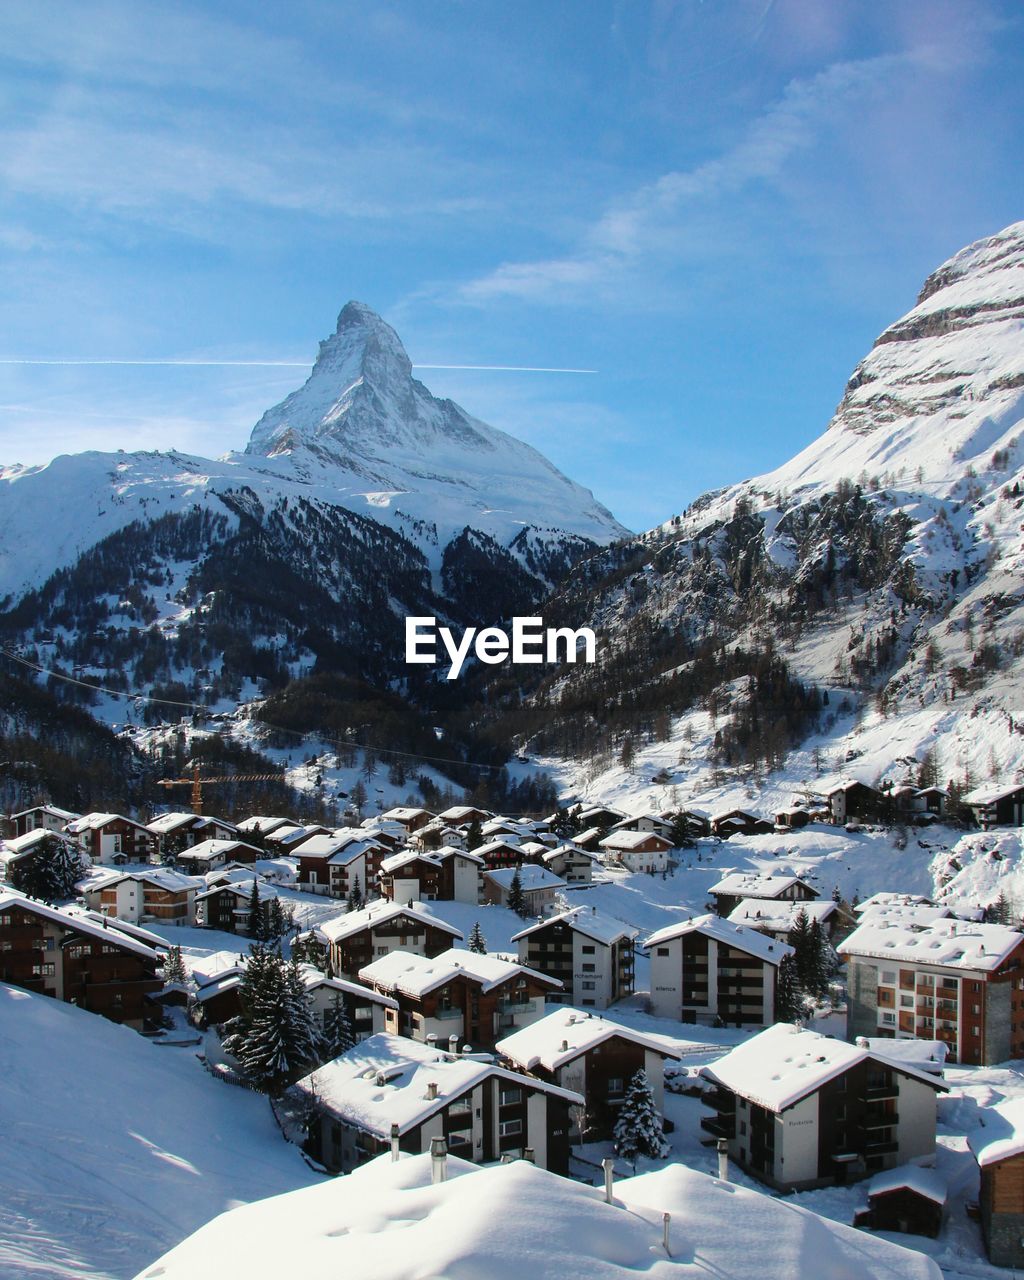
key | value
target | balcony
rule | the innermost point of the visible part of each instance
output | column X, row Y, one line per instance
column 719, row 1126
column 879, row 1119
column 880, row 1092
column 447, row 1015
column 880, row 1147
column 517, row 1006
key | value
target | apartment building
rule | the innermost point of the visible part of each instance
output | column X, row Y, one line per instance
column 708, row 968
column 591, row 955
column 951, row 980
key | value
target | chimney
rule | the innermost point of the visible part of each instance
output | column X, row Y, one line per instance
column 723, row 1160
column 528, row 1155
column 564, row 1047
column 666, row 1223
column 394, row 1143
column 438, row 1160
column 608, row 1165
column 453, row 1044
column 861, row 1042
column 431, row 1089
column 431, row 1039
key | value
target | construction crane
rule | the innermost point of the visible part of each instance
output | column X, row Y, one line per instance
column 196, row 782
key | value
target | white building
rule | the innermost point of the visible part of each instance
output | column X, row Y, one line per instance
column 802, row 1110
column 638, row 850
column 589, row 953
column 708, row 968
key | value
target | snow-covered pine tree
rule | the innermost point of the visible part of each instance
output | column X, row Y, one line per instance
column 355, row 896
column 277, row 926
column 302, row 1036
column 174, row 968
column 256, row 921
column 638, row 1130
column 256, row 1038
column 788, row 1006
column 516, row 897
column 50, row 871
column 799, row 939
column 820, row 961
column 477, row 941
column 339, row 1035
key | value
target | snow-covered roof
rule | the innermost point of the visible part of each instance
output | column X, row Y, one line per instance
column 242, row 890
column 925, row 1055
column 956, row 944
column 167, row 822
column 405, row 814
column 152, row 940
column 262, row 825
column 378, row 913
column 589, row 834
column 532, row 877
column 629, row 841
column 461, row 813
column 1001, row 1133
column 395, row 861
column 291, row 836
column 314, row 980
column 784, row 1063
column 160, row 877
column 324, row 845
column 565, row 1033
column 217, row 963
column 570, row 851
column 450, row 851
column 505, row 1221
column 83, row 923
column 906, row 915
column 65, row 814
column 587, row 920
column 38, row 835
column 910, row 1177
column 776, row 916
column 748, row 884
column 991, row 794
column 887, row 899
column 492, row 846
column 206, row 850
column 416, row 976
column 724, row 931
column 383, row 1081
column 94, row 821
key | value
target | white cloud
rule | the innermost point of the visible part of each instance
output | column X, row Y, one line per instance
column 652, row 221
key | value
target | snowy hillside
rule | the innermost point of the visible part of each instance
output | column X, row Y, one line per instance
column 114, row 1148
column 878, row 573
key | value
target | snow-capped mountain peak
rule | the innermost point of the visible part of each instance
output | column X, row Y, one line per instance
column 361, row 403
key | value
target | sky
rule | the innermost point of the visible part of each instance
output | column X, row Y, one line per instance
column 715, row 205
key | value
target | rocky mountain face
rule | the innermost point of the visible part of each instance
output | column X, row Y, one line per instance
column 863, row 601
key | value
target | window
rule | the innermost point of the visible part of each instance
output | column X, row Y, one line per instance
column 888, row 976
column 509, row 1095
column 906, row 1002
column 743, row 1128
column 888, row 1018
column 615, row 1087
column 509, row 1127
column 589, row 968
column 588, row 986
column 588, row 951
column 663, row 951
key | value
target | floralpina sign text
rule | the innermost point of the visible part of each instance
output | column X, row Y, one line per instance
column 528, row 641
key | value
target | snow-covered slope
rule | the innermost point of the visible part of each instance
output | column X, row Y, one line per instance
column 361, row 434
column 883, row 565
column 113, row 1148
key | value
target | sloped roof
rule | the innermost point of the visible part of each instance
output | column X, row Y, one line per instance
column 380, row 912
column 748, row 884
column 1001, row 1133
column 416, row 976
column 957, row 944
column 586, row 920
column 82, row 923
column 724, row 931
column 564, row 1034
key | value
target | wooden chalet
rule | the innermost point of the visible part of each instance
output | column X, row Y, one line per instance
column 998, row 1147
column 357, row 938
column 78, row 960
column 113, row 839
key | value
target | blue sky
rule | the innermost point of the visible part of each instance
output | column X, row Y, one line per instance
column 717, row 205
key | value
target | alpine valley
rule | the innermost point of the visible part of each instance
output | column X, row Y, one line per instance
column 858, row 610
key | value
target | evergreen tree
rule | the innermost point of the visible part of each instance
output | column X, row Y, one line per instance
column 174, row 968
column 799, row 939
column 474, row 835
column 277, row 925
column 308, row 949
column 49, row 872
column 339, row 1035
column 638, row 1130
column 257, row 924
column 274, row 1039
column 819, row 961
column 999, row 911
column 680, row 833
column 477, row 941
column 788, row 1007
column 355, row 896
column 516, row 897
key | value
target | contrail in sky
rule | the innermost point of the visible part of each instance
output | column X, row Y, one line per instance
column 286, row 364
